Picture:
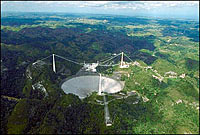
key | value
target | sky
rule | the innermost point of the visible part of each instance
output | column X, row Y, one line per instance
column 166, row 9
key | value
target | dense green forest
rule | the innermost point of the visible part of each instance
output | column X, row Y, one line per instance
column 167, row 46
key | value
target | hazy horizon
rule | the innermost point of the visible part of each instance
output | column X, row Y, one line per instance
column 157, row 9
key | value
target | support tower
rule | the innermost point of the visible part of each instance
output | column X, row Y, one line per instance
column 54, row 64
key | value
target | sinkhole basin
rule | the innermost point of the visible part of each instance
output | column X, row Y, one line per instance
column 83, row 86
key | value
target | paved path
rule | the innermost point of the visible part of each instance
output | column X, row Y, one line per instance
column 107, row 115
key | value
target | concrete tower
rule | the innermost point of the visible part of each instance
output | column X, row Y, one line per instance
column 54, row 64
column 99, row 93
column 122, row 60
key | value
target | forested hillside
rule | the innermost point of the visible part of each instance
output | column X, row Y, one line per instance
column 166, row 80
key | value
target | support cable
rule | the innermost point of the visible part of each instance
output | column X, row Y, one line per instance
column 105, row 59
column 83, row 63
column 108, row 65
column 42, row 59
column 111, row 58
column 69, row 60
column 128, row 57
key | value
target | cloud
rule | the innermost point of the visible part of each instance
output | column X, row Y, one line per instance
column 101, row 5
column 110, row 4
column 138, row 4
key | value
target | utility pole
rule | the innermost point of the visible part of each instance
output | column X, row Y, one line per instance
column 54, row 64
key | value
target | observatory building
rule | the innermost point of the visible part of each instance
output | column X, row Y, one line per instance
column 88, row 80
